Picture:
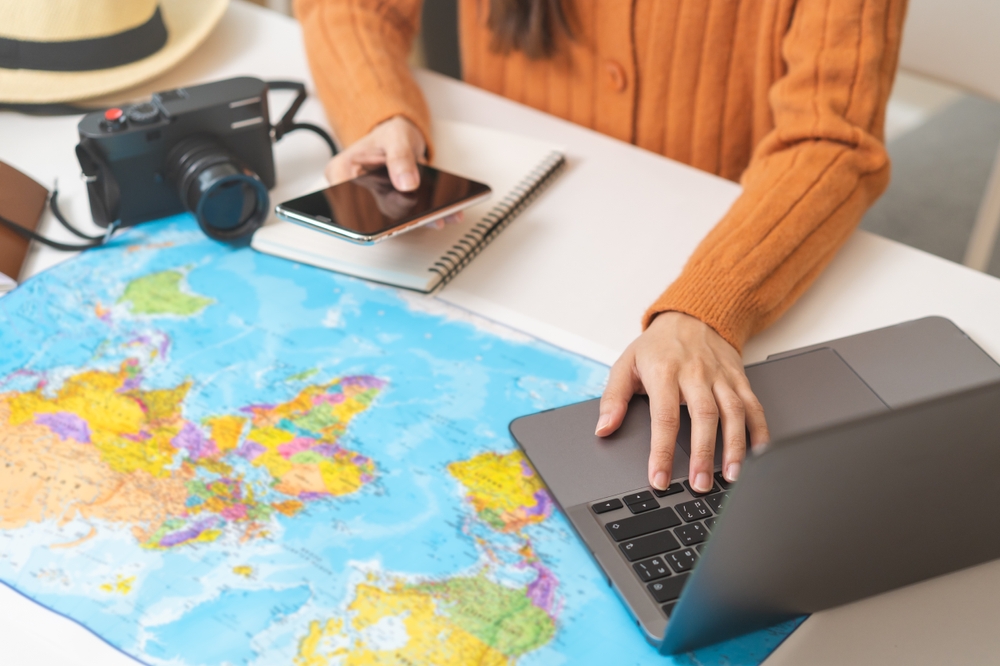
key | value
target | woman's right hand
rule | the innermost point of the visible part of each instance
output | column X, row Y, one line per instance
column 679, row 359
column 396, row 143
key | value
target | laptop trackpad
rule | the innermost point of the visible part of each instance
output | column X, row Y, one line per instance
column 801, row 393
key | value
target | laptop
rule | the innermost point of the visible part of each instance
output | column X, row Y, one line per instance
column 885, row 453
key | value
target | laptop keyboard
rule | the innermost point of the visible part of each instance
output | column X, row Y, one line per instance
column 663, row 533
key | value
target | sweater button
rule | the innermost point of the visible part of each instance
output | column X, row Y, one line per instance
column 617, row 79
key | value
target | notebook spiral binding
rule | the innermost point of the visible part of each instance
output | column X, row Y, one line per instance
column 483, row 232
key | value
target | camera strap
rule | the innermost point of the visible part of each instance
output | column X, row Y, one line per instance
column 287, row 123
column 103, row 189
column 94, row 241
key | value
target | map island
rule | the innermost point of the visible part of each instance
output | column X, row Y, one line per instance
column 211, row 456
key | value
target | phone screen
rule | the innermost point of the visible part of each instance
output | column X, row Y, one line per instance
column 369, row 206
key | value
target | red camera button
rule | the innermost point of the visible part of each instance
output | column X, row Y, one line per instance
column 113, row 115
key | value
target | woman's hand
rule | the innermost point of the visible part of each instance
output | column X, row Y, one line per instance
column 396, row 143
column 680, row 359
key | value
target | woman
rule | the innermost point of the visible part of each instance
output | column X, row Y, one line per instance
column 786, row 96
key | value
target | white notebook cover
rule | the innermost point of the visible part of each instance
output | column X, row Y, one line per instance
column 508, row 163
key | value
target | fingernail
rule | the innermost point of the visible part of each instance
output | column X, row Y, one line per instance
column 407, row 181
column 602, row 423
column 703, row 482
column 733, row 471
column 660, row 481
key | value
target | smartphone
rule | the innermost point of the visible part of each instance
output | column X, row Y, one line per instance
column 369, row 209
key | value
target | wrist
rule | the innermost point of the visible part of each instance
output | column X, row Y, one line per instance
column 402, row 125
column 673, row 317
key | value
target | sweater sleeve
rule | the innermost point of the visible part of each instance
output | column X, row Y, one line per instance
column 810, row 179
column 357, row 51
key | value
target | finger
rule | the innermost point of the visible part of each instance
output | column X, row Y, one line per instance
column 704, row 426
column 368, row 160
column 455, row 218
column 438, row 224
column 734, row 438
column 402, row 165
column 664, row 416
column 756, row 420
column 618, row 392
column 339, row 169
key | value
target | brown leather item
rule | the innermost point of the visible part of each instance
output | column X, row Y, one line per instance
column 22, row 200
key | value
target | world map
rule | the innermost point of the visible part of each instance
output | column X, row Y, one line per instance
column 213, row 456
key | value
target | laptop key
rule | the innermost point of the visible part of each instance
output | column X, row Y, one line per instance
column 604, row 507
column 668, row 608
column 641, row 507
column 652, row 569
column 692, row 534
column 667, row 589
column 643, row 547
column 710, row 523
column 682, row 560
column 672, row 489
column 721, row 480
column 651, row 521
column 695, row 493
column 693, row 510
column 638, row 497
column 717, row 502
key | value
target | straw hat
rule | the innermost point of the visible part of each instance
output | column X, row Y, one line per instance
column 68, row 50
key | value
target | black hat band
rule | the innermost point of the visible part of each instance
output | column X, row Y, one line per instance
column 83, row 55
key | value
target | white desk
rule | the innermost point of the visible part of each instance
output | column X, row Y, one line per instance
column 578, row 269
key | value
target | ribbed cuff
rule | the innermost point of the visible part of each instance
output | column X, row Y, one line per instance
column 724, row 303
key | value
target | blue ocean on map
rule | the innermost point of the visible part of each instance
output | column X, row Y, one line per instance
column 214, row 456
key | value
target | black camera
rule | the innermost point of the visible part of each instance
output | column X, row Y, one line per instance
column 204, row 149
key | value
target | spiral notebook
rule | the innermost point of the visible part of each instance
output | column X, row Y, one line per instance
column 515, row 167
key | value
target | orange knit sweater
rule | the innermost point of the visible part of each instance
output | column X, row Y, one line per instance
column 786, row 96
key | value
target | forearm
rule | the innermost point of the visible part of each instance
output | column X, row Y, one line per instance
column 810, row 180
column 772, row 245
column 357, row 52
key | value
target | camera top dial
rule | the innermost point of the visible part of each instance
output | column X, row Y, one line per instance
column 143, row 113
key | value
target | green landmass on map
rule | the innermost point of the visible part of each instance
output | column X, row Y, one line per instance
column 161, row 294
column 302, row 376
column 502, row 617
column 457, row 621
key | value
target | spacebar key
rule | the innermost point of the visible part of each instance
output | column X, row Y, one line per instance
column 644, row 523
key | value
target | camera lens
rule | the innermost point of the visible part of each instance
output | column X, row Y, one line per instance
column 228, row 199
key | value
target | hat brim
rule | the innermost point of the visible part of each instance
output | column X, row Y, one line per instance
column 188, row 24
